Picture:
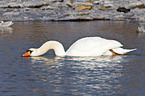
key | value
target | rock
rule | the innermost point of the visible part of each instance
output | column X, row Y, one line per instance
column 90, row 1
column 74, row 18
column 29, row 4
column 108, row 3
column 139, row 14
column 142, row 6
column 15, row 5
column 119, row 16
column 102, row 8
column 83, row 7
column 11, row 13
column 141, row 18
column 123, row 9
column 68, row 3
column 34, row 4
column 48, row 8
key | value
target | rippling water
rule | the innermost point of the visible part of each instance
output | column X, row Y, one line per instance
column 48, row 75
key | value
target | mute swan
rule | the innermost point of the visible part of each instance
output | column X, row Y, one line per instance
column 140, row 29
column 88, row 46
column 6, row 23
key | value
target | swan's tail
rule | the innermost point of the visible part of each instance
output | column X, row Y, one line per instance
column 122, row 51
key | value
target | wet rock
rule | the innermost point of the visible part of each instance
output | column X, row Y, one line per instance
column 123, row 9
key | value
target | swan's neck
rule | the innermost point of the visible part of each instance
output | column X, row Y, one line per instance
column 55, row 45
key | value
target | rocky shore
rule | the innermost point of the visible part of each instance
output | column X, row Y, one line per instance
column 61, row 10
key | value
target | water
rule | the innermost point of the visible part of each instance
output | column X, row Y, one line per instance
column 48, row 75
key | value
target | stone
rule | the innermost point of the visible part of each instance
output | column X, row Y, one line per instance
column 74, row 18
column 123, row 9
column 102, row 8
column 83, row 7
column 32, row 4
column 142, row 6
column 11, row 13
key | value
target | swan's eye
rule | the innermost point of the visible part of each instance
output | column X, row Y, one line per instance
column 29, row 51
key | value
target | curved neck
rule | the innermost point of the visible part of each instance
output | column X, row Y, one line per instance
column 55, row 45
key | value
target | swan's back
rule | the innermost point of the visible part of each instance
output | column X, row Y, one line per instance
column 92, row 46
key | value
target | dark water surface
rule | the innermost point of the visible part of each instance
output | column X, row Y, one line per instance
column 48, row 75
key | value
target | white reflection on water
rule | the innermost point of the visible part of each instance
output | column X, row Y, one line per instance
column 80, row 75
column 4, row 30
column 93, row 58
column 141, row 35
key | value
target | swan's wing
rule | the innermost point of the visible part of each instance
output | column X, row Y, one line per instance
column 119, row 51
column 92, row 46
column 123, row 51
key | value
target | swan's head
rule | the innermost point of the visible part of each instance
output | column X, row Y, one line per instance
column 55, row 45
column 31, row 52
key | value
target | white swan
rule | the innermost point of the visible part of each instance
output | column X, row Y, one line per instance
column 88, row 46
column 6, row 23
column 140, row 29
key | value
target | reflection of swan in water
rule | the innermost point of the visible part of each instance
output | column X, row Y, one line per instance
column 101, row 61
column 40, row 59
column 83, row 62
column 4, row 30
column 88, row 46
column 99, row 73
column 141, row 35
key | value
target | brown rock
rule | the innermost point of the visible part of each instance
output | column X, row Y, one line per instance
column 83, row 7
column 142, row 6
column 103, row 8
column 90, row 1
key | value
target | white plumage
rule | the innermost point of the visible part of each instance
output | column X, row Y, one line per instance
column 88, row 46
column 6, row 23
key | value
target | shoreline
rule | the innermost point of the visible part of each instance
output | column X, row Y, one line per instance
column 67, row 11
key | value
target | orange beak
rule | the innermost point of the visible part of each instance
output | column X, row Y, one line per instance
column 27, row 54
